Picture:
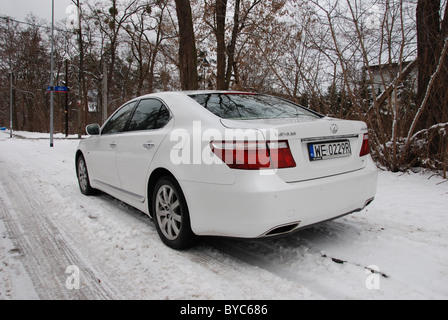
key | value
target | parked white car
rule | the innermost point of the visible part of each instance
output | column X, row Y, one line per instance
column 231, row 164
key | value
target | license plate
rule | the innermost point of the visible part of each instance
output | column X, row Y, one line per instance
column 329, row 150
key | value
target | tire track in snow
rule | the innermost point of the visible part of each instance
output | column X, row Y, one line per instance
column 266, row 254
column 247, row 276
column 43, row 249
column 239, row 277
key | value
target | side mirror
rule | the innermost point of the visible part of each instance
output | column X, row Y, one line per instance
column 93, row 129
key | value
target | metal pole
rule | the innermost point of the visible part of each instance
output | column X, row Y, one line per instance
column 66, row 98
column 10, row 107
column 80, row 104
column 52, row 75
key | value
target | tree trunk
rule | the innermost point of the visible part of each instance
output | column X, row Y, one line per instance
column 220, row 13
column 187, row 46
column 430, row 40
column 84, row 108
column 232, row 44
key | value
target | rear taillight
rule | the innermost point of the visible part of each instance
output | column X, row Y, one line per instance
column 253, row 155
column 281, row 156
column 242, row 155
column 365, row 150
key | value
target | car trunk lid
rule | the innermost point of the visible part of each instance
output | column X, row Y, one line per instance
column 320, row 147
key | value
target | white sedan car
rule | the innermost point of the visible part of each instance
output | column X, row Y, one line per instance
column 224, row 163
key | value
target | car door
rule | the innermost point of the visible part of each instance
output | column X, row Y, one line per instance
column 102, row 151
column 148, row 127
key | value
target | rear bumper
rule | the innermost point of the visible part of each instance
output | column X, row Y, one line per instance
column 263, row 205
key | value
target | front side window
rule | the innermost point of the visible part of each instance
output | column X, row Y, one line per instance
column 250, row 106
column 117, row 123
column 150, row 114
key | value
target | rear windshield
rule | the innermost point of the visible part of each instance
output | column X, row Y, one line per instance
column 251, row 106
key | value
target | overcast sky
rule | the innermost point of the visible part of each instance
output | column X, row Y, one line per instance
column 19, row 9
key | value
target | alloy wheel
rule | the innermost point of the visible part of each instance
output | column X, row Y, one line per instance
column 168, row 212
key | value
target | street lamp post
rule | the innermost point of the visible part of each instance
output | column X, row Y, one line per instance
column 10, row 104
column 52, row 74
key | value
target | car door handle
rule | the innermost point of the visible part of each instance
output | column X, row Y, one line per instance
column 112, row 145
column 149, row 145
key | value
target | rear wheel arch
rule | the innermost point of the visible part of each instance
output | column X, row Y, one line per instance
column 153, row 178
column 183, row 237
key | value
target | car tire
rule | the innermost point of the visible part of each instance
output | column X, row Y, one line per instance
column 170, row 213
column 83, row 177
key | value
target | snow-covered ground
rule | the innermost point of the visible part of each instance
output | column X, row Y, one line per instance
column 56, row 243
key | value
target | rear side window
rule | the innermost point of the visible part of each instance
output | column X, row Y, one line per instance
column 250, row 106
column 150, row 114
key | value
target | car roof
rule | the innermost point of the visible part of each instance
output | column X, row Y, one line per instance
column 193, row 92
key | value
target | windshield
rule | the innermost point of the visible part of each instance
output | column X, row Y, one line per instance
column 240, row 106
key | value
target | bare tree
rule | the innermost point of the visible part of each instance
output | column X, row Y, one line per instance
column 110, row 19
column 187, row 46
column 432, row 32
column 243, row 20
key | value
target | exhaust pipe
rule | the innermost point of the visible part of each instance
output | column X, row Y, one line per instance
column 283, row 229
column 368, row 201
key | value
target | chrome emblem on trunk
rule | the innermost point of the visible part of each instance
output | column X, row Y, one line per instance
column 333, row 128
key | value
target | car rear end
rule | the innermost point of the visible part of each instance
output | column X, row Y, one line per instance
column 303, row 169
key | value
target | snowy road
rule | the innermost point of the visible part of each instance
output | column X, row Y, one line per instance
column 51, row 236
